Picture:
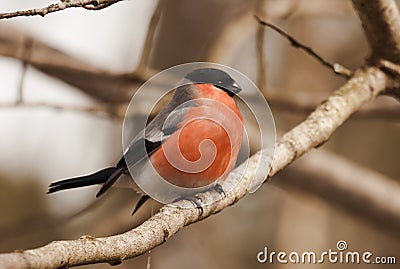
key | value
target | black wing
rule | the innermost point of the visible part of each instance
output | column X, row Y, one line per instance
column 149, row 140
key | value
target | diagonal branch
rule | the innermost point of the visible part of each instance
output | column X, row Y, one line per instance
column 366, row 84
column 321, row 123
column 388, row 111
column 336, row 67
column 87, row 4
column 374, row 196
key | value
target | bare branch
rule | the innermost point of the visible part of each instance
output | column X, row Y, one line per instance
column 288, row 104
column 320, row 124
column 100, row 111
column 103, row 85
column 335, row 67
column 357, row 189
column 260, row 42
column 393, row 70
column 366, row 84
column 381, row 22
column 87, row 4
column 144, row 58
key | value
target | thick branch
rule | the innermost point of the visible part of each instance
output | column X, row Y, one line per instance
column 87, row 4
column 374, row 196
column 315, row 130
column 381, row 22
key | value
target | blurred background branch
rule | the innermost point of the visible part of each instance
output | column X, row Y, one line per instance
column 103, row 85
column 355, row 188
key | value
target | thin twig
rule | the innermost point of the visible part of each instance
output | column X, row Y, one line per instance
column 260, row 44
column 87, row 4
column 261, row 63
column 335, row 67
column 144, row 58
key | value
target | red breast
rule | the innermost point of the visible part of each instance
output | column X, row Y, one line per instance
column 206, row 127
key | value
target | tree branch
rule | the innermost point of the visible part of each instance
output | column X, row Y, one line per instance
column 374, row 196
column 260, row 44
column 99, row 110
column 335, row 67
column 87, row 4
column 102, row 85
column 287, row 104
column 320, row 124
column 155, row 18
column 381, row 22
column 366, row 84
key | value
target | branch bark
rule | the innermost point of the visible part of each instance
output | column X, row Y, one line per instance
column 381, row 22
column 366, row 84
column 388, row 111
column 87, row 4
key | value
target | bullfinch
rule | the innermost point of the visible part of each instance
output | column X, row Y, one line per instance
column 174, row 127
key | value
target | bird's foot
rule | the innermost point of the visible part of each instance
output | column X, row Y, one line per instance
column 195, row 200
column 218, row 188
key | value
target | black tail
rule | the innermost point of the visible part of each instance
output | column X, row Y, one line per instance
column 99, row 177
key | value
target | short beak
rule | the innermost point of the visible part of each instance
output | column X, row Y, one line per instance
column 236, row 88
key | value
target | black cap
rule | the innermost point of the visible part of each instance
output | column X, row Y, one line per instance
column 216, row 77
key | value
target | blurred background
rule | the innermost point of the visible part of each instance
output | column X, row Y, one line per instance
column 66, row 80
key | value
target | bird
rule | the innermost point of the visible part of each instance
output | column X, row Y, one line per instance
column 208, row 93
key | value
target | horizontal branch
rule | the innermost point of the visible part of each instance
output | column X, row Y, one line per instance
column 103, row 85
column 366, row 84
column 357, row 189
column 99, row 111
column 87, row 4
